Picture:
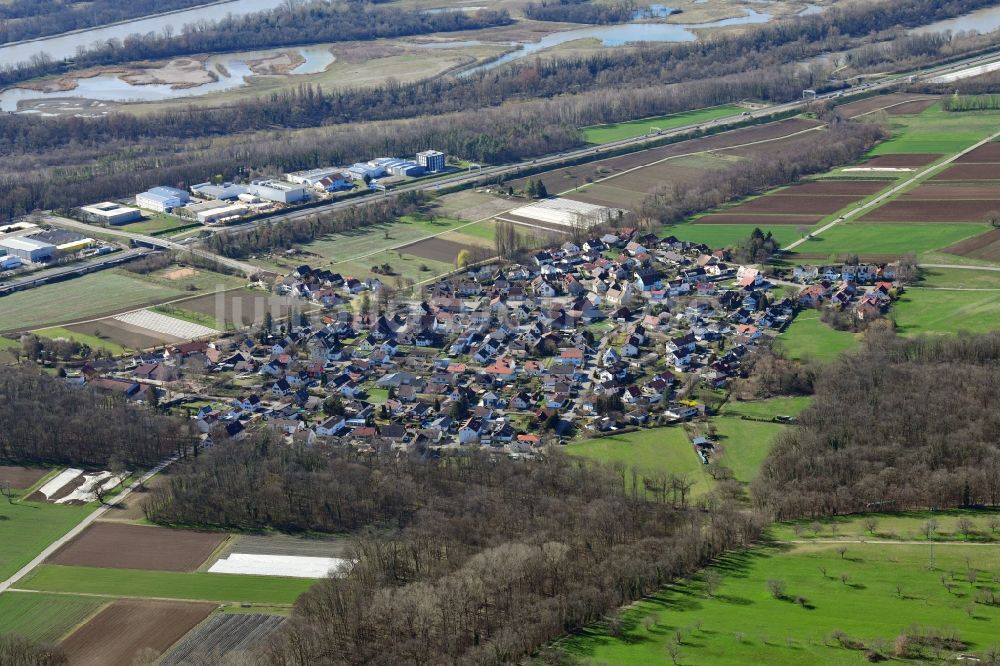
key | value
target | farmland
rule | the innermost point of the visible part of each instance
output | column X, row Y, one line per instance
column 121, row 630
column 138, row 547
column 19, row 477
column 885, row 240
column 866, row 592
column 79, row 333
column 165, row 584
column 221, row 634
column 946, row 311
column 29, row 527
column 618, row 131
column 44, row 617
column 93, row 295
column 728, row 235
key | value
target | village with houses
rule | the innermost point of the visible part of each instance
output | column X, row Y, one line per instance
column 622, row 331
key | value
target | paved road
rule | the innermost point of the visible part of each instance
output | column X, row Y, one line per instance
column 167, row 244
column 81, row 526
column 97, row 263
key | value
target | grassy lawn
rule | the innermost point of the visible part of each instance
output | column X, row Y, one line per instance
column 728, row 235
column 742, row 623
column 91, row 341
column 943, row 311
column 403, row 264
column 378, row 396
column 909, row 526
column 744, row 444
column 657, row 450
column 166, row 584
column 44, row 617
column 959, row 278
column 767, row 409
column 808, row 337
column 26, row 528
column 886, row 239
column 88, row 296
column 358, row 244
column 628, row 130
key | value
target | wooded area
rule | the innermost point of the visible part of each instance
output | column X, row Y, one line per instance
column 901, row 424
column 464, row 558
column 47, row 420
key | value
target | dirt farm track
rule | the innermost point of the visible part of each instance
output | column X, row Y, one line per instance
column 126, row 627
column 138, row 547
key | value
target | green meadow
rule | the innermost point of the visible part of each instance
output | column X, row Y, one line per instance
column 809, row 338
column 44, row 617
column 833, row 605
column 946, row 311
column 27, row 528
column 634, row 128
column 166, row 584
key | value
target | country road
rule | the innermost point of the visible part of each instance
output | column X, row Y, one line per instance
column 82, row 525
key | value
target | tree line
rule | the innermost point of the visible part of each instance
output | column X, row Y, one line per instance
column 44, row 419
column 841, row 143
column 287, row 233
column 900, row 424
column 30, row 19
column 469, row 558
column 581, row 11
column 291, row 24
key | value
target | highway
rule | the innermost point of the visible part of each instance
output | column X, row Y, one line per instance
column 47, row 275
column 586, row 154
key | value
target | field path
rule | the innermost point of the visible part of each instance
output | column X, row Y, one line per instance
column 82, row 525
column 895, row 542
column 882, row 198
column 964, row 268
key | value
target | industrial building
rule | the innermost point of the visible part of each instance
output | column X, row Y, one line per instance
column 271, row 190
column 312, row 177
column 214, row 212
column 334, row 182
column 162, row 199
column 65, row 241
column 28, row 249
column 111, row 213
column 9, row 262
column 363, row 169
column 225, row 191
column 431, row 160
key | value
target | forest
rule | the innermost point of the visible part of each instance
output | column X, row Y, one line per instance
column 30, row 19
column 460, row 559
column 47, row 420
column 901, row 424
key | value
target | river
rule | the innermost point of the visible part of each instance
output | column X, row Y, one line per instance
column 64, row 46
column 982, row 21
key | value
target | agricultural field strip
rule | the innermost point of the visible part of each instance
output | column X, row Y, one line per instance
column 80, row 527
column 905, row 185
column 91, row 320
column 714, row 150
column 161, row 323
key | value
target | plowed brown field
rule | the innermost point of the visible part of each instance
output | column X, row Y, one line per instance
column 984, row 246
column 794, row 205
column 126, row 546
column 902, row 161
column 988, row 152
column 911, row 108
column 18, row 477
column 126, row 627
column 758, row 219
column 910, row 210
column 936, row 191
column 968, row 171
column 836, row 187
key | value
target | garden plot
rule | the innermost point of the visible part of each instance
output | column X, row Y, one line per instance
column 221, row 635
column 58, row 482
column 161, row 323
column 291, row 566
column 124, row 546
column 126, row 628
